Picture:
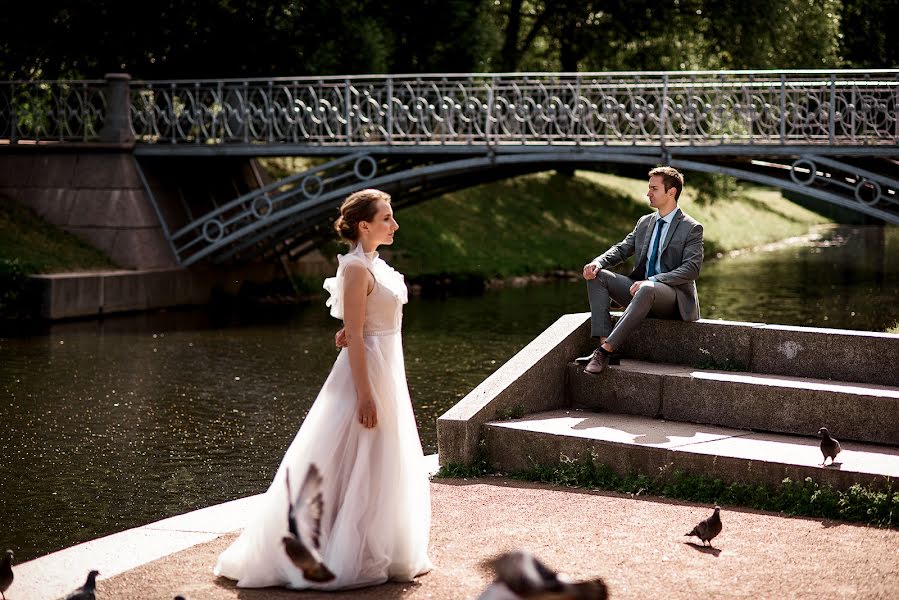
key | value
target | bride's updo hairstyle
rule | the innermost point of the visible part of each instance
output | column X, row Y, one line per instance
column 359, row 206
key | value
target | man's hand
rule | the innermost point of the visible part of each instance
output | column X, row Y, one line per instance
column 340, row 338
column 590, row 271
column 368, row 413
column 638, row 284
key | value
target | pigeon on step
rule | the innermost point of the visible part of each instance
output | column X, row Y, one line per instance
column 6, row 575
column 707, row 529
column 87, row 591
column 302, row 545
column 829, row 446
column 520, row 575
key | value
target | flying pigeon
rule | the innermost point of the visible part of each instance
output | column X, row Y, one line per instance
column 86, row 592
column 6, row 575
column 829, row 446
column 707, row 530
column 302, row 545
column 520, row 575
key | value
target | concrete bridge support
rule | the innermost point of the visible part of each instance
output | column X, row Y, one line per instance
column 95, row 194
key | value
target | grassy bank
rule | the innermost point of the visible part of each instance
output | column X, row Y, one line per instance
column 38, row 247
column 545, row 222
column 530, row 225
column 807, row 498
column 30, row 245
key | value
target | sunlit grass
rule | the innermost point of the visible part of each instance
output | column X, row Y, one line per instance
column 546, row 222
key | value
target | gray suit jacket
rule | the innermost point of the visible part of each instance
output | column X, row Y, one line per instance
column 682, row 252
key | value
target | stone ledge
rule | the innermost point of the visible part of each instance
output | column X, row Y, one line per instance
column 629, row 444
column 796, row 405
column 835, row 354
column 67, row 295
column 532, row 380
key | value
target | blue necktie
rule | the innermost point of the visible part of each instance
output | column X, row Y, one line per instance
column 651, row 261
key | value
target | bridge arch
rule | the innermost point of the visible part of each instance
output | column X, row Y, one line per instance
column 292, row 215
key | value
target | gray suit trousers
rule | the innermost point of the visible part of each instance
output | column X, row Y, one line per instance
column 658, row 300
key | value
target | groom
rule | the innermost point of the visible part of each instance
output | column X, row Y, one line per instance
column 668, row 249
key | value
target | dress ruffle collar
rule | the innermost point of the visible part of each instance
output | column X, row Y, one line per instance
column 383, row 273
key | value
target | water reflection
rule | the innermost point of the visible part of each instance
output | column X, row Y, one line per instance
column 111, row 424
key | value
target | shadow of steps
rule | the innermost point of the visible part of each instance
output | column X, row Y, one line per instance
column 634, row 443
column 775, row 403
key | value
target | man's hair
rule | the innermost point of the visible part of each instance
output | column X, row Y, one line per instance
column 671, row 177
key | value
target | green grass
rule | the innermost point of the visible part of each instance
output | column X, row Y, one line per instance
column 894, row 328
column 545, row 222
column 35, row 246
column 30, row 245
column 873, row 506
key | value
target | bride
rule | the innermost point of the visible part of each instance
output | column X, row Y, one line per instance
column 360, row 433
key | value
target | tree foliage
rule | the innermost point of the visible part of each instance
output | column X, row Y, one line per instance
column 241, row 38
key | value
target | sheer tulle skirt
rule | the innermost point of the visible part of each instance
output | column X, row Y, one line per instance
column 377, row 509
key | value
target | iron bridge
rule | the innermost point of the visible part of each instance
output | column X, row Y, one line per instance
column 831, row 135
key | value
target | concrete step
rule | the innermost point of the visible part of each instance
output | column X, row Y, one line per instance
column 773, row 403
column 837, row 354
column 631, row 443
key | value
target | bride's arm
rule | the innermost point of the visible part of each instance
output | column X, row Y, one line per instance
column 356, row 289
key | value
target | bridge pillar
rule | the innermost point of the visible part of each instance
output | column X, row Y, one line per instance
column 117, row 125
column 95, row 194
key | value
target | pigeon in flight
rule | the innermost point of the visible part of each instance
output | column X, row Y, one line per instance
column 87, row 591
column 829, row 446
column 304, row 521
column 6, row 575
column 520, row 575
column 707, row 529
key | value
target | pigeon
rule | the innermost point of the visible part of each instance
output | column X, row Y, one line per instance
column 86, row 592
column 829, row 446
column 302, row 545
column 519, row 574
column 6, row 575
column 707, row 530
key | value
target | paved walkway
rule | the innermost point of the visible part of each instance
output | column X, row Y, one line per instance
column 636, row 544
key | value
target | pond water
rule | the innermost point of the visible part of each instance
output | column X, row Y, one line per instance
column 111, row 424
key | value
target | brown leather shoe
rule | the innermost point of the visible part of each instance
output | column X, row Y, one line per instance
column 598, row 363
column 615, row 359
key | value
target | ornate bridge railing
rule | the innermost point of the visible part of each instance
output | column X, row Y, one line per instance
column 807, row 108
column 831, row 135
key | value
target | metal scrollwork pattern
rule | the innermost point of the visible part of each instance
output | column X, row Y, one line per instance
column 852, row 184
column 849, row 107
column 773, row 108
column 269, row 210
column 54, row 111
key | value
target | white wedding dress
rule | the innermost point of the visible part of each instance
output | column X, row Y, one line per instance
column 377, row 506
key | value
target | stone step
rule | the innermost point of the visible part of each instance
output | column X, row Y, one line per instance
column 837, row 354
column 796, row 405
column 654, row 447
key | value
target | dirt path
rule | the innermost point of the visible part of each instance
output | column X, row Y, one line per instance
column 636, row 545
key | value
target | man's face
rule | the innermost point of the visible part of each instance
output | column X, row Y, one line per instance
column 657, row 195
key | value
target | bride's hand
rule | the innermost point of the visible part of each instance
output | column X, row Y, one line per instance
column 340, row 338
column 368, row 413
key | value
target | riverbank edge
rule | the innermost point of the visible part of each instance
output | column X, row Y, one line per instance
column 92, row 294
